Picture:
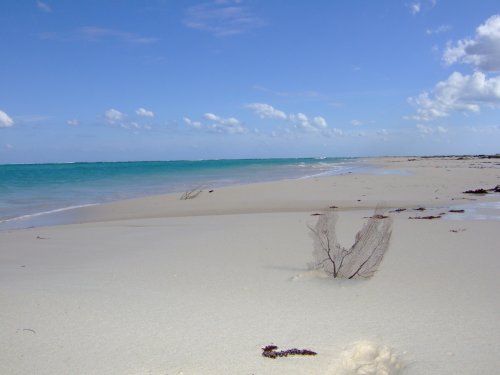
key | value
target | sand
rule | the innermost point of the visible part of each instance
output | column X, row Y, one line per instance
column 163, row 286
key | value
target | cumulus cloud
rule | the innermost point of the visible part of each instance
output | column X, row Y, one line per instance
column 113, row 116
column 482, row 51
column 429, row 130
column 211, row 117
column 119, row 119
column 320, row 122
column 267, row 111
column 192, row 124
column 356, row 123
column 228, row 125
column 302, row 122
column 465, row 93
column 73, row 122
column 299, row 120
column 337, row 131
column 5, row 120
column 424, row 129
column 43, row 6
column 144, row 113
column 217, row 124
column 222, row 18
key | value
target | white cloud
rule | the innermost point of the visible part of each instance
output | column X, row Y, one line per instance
column 483, row 51
column 302, row 122
column 228, row 125
column 415, row 7
column 193, row 124
column 222, row 18
column 43, row 6
column 320, row 122
column 130, row 125
column 211, row 117
column 428, row 130
column 356, row 123
column 425, row 130
column 465, row 93
column 5, row 120
column 8, row 146
column 73, row 122
column 418, row 6
column 144, row 113
column 338, row 132
column 266, row 111
column 113, row 116
column 217, row 124
column 438, row 30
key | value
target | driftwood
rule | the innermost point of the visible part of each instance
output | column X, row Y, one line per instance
column 270, row 351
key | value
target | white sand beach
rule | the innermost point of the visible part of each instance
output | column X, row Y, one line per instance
column 160, row 285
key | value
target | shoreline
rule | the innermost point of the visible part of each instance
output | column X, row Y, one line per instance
column 52, row 216
column 347, row 191
column 382, row 166
column 375, row 170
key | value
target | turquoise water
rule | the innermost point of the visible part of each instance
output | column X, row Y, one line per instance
column 33, row 190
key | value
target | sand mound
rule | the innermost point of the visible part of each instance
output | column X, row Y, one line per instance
column 368, row 358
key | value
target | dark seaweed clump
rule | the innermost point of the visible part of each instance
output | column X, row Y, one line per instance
column 270, row 351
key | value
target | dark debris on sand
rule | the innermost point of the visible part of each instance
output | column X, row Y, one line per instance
column 496, row 189
column 425, row 217
column 270, row 351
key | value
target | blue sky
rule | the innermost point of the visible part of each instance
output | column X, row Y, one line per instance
column 160, row 80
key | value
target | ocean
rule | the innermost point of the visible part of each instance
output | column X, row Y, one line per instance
column 29, row 191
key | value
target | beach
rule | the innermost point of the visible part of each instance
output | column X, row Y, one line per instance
column 160, row 285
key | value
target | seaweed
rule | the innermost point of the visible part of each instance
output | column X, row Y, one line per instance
column 425, row 217
column 476, row 191
column 270, row 351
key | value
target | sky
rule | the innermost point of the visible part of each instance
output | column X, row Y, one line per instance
column 118, row 80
